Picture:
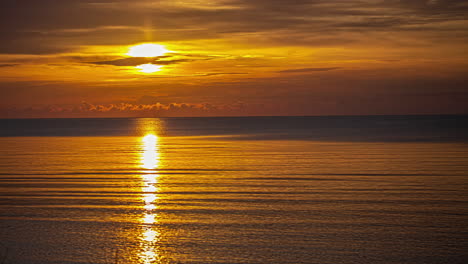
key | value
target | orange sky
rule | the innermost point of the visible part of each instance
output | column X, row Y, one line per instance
column 241, row 57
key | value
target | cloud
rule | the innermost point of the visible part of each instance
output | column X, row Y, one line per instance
column 123, row 109
column 221, row 73
column 51, row 26
column 139, row 61
column 297, row 38
column 310, row 70
column 172, row 58
column 350, row 91
column 138, row 107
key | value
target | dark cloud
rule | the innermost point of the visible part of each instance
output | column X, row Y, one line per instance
column 221, row 73
column 172, row 58
column 139, row 61
column 52, row 26
column 125, row 62
column 310, row 70
column 7, row 65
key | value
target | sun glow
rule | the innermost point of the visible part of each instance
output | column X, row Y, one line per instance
column 149, row 68
column 147, row 50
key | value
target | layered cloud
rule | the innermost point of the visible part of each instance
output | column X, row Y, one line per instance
column 51, row 26
column 309, row 70
column 277, row 57
column 138, row 61
column 86, row 109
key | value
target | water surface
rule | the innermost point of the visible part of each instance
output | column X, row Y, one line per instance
column 234, row 190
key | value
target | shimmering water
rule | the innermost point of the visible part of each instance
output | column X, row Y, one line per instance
column 248, row 190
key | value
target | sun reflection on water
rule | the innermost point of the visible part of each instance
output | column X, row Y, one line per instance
column 150, row 155
column 150, row 159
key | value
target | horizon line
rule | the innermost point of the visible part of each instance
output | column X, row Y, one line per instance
column 244, row 116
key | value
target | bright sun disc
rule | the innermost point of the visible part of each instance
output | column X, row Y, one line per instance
column 149, row 68
column 147, row 50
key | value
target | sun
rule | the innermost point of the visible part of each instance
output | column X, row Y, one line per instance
column 149, row 68
column 147, row 50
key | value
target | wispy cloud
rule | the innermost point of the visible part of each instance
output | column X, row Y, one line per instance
column 124, row 109
column 138, row 61
column 310, row 70
column 57, row 26
column 275, row 53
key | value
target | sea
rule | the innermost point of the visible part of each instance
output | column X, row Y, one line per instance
column 331, row 189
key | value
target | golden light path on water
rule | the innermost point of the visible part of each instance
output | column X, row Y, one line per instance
column 150, row 159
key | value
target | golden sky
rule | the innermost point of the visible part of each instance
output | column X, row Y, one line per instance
column 83, row 58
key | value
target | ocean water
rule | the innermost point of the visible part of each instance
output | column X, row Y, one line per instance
column 382, row 189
